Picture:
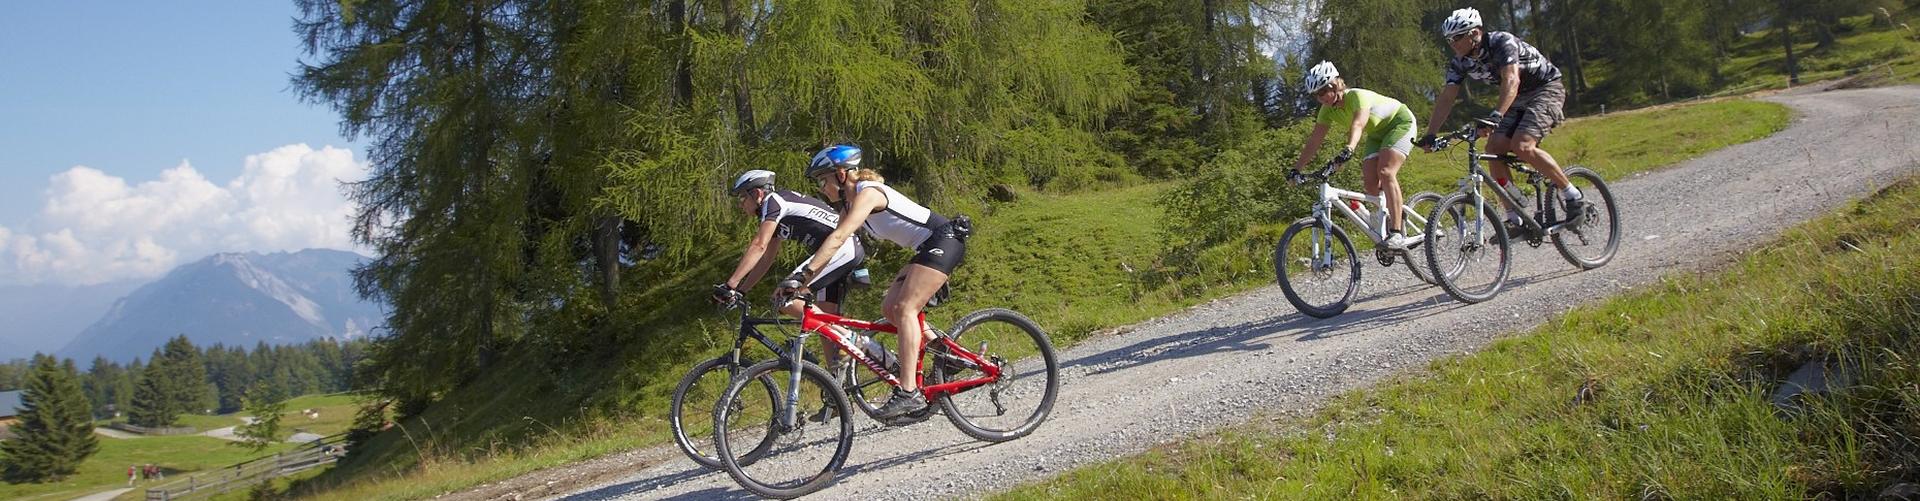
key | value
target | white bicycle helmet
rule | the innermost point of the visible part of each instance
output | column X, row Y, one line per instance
column 1461, row 21
column 1319, row 76
column 751, row 179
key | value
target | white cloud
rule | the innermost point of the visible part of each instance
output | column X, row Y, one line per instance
column 96, row 227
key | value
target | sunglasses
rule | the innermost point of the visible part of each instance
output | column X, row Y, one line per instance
column 1457, row 36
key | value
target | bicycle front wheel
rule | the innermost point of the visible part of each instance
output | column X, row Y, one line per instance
column 1316, row 268
column 810, row 446
column 1467, row 248
column 1015, row 404
column 1595, row 234
column 700, row 391
column 1417, row 207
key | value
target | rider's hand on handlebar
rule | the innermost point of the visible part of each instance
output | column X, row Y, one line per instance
column 794, row 286
column 1426, row 142
column 1295, row 178
column 725, row 295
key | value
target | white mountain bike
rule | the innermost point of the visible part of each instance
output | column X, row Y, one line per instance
column 1315, row 262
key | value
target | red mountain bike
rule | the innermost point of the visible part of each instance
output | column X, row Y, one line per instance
column 979, row 390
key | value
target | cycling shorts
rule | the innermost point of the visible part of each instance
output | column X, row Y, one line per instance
column 1395, row 134
column 943, row 250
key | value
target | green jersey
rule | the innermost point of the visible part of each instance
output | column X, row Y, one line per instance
column 1381, row 110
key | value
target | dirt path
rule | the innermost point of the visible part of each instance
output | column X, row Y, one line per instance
column 103, row 495
column 1223, row 362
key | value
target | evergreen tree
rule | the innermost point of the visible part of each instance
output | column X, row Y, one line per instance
column 266, row 408
column 55, row 432
column 523, row 151
column 151, row 407
column 108, row 387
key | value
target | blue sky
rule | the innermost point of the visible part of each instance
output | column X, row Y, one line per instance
column 133, row 88
column 101, row 103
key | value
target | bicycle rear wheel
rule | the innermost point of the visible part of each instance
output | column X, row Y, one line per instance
column 1592, row 241
column 1316, row 268
column 1467, row 248
column 1015, row 404
column 797, row 464
column 1420, row 203
column 699, row 391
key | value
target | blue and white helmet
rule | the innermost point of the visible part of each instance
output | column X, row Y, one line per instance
column 839, row 156
column 748, row 180
column 1459, row 22
column 1319, row 76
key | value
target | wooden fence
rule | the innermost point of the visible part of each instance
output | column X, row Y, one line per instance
column 244, row 475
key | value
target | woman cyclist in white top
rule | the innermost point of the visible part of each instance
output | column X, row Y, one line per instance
column 866, row 201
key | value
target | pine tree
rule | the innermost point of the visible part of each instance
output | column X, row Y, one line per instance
column 55, row 432
column 266, row 407
column 151, row 406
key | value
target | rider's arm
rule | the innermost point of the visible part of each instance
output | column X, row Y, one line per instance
column 1442, row 107
column 1509, row 87
column 766, row 261
column 1358, row 127
column 1312, row 147
column 760, row 251
column 864, row 203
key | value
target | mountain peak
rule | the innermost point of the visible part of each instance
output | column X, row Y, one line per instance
column 237, row 298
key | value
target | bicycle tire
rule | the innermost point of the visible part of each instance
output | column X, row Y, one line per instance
column 1281, row 258
column 1607, row 209
column 1413, row 205
column 973, row 328
column 677, row 419
column 1447, row 231
column 827, row 388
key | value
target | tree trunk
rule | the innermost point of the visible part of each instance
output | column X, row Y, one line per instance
column 683, row 67
column 1784, row 23
column 742, row 101
column 606, row 253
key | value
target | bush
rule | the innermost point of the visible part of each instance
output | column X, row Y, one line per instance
column 1223, row 221
column 1243, row 186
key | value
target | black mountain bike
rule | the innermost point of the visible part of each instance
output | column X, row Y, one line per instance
column 702, row 387
column 1466, row 242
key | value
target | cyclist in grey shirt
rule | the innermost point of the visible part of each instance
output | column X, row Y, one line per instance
column 1531, row 100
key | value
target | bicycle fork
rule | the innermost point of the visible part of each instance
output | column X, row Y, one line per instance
column 790, row 413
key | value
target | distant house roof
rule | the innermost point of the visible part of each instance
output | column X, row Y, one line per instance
column 9, row 403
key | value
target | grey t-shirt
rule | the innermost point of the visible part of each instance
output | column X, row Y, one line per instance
column 1499, row 49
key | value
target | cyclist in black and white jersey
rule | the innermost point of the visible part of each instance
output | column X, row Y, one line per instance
column 785, row 215
column 1531, row 100
column 939, row 245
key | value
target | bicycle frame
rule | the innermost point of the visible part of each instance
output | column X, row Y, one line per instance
column 821, row 322
column 814, row 321
column 1331, row 197
column 1477, row 177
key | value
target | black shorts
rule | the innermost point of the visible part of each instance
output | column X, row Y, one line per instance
column 831, row 285
column 942, row 251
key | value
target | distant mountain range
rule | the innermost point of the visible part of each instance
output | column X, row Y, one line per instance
column 44, row 318
column 238, row 299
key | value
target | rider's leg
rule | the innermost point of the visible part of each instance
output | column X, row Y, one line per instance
column 1528, row 149
column 1369, row 180
column 1388, row 164
column 906, row 298
column 828, row 354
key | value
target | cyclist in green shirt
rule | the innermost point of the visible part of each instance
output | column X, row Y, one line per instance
column 1378, row 126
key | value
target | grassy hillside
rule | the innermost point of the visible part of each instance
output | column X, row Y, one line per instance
column 1759, row 62
column 1075, row 262
column 1664, row 393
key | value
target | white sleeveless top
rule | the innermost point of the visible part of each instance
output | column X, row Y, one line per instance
column 903, row 222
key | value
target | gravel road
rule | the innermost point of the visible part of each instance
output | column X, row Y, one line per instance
column 1227, row 361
